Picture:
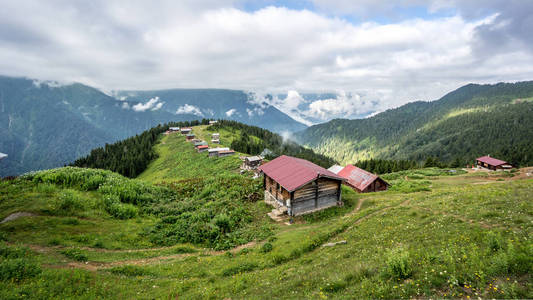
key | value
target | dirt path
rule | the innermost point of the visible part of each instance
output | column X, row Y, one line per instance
column 95, row 266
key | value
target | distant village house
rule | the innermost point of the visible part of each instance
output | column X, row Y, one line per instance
column 214, row 151
column 494, row 164
column 190, row 136
column 360, row 180
column 186, row 130
column 225, row 153
column 299, row 186
column 200, row 143
column 252, row 162
column 213, row 122
column 215, row 138
column 202, row 148
column 173, row 129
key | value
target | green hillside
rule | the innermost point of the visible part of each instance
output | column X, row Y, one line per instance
column 194, row 227
column 472, row 121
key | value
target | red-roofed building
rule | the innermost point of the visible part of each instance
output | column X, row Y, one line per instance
column 299, row 185
column 361, row 180
column 493, row 163
column 202, row 148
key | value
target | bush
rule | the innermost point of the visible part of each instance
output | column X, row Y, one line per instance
column 75, row 254
column 68, row 203
column 398, row 264
column 119, row 210
column 267, row 247
column 18, row 269
column 13, row 252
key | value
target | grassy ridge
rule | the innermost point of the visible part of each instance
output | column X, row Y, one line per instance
column 435, row 233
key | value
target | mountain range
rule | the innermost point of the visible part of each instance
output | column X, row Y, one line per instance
column 469, row 122
column 46, row 124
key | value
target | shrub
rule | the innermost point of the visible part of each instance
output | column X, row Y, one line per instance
column 75, row 254
column 18, row 269
column 119, row 210
column 267, row 247
column 68, row 203
column 13, row 252
column 398, row 264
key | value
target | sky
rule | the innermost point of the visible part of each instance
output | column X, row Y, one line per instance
column 365, row 56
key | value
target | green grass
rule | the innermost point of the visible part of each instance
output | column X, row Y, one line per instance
column 434, row 234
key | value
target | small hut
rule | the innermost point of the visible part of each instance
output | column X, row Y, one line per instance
column 173, row 129
column 362, row 181
column 214, row 151
column 252, row 162
column 215, row 138
column 186, row 130
column 223, row 153
column 300, row 186
column 491, row 163
column 213, row 122
column 189, row 137
column 200, row 143
column 202, row 148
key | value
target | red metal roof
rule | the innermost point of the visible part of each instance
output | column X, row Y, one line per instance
column 202, row 147
column 357, row 177
column 292, row 173
column 491, row 161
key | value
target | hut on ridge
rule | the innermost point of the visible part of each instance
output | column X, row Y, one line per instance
column 362, row 181
column 491, row 163
column 298, row 186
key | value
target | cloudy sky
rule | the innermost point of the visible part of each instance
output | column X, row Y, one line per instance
column 370, row 54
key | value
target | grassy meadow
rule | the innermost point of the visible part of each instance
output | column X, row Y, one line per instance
column 192, row 227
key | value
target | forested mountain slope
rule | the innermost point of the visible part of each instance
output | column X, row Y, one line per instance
column 45, row 124
column 471, row 121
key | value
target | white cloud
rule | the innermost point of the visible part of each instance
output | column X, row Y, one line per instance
column 152, row 104
column 214, row 44
column 189, row 109
column 231, row 112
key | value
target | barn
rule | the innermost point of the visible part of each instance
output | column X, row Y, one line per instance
column 299, row 185
column 362, row 181
column 491, row 163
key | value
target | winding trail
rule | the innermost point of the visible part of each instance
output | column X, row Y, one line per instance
column 95, row 266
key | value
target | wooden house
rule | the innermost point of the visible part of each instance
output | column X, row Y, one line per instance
column 299, row 186
column 223, row 153
column 202, row 148
column 200, row 143
column 491, row 163
column 214, row 151
column 189, row 137
column 2, row 155
column 185, row 130
column 173, row 129
column 215, row 141
column 362, row 181
column 252, row 162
